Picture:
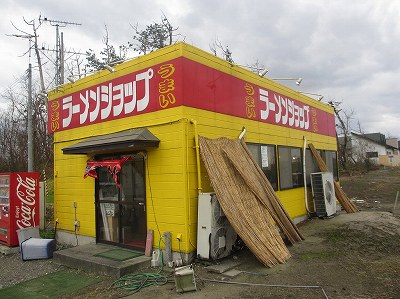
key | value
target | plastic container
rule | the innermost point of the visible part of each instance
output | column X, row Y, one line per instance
column 34, row 249
column 155, row 258
column 184, row 279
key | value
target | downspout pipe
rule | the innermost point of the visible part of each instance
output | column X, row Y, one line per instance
column 305, row 174
column 196, row 142
column 243, row 132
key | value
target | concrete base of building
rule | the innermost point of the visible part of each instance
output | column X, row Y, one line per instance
column 84, row 257
column 73, row 239
column 177, row 258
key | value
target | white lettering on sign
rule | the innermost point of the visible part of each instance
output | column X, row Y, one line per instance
column 285, row 111
column 27, row 197
column 16, row 212
column 109, row 100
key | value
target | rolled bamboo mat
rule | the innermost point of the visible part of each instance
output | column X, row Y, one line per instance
column 248, row 216
column 346, row 203
column 241, row 158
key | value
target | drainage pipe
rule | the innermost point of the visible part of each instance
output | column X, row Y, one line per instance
column 196, row 142
column 305, row 174
column 243, row 132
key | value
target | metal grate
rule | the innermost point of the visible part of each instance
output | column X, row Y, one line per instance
column 317, row 185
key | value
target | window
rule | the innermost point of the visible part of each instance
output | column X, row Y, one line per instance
column 265, row 156
column 311, row 166
column 330, row 159
column 372, row 154
column 290, row 167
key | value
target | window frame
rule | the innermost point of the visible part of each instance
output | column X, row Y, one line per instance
column 311, row 167
column 333, row 166
column 281, row 169
column 274, row 177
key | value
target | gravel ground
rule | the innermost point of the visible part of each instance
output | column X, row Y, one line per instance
column 13, row 270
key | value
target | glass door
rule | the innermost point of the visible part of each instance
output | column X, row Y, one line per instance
column 133, row 203
column 121, row 212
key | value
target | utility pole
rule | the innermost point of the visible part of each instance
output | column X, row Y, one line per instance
column 59, row 73
column 29, row 111
column 62, row 58
column 29, row 104
column 59, row 79
column 38, row 57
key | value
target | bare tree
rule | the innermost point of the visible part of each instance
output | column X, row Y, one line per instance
column 257, row 67
column 12, row 142
column 33, row 39
column 13, row 120
column 225, row 52
column 343, row 128
column 13, row 131
column 75, row 67
column 352, row 154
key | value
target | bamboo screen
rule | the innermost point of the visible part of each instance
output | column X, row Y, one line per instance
column 248, row 200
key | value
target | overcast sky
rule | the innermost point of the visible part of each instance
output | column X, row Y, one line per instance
column 348, row 51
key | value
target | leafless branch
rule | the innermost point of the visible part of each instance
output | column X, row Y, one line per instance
column 26, row 33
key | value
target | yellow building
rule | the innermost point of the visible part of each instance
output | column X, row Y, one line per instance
column 132, row 134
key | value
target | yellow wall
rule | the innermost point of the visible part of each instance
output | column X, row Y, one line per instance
column 171, row 182
column 214, row 125
column 171, row 169
column 166, row 177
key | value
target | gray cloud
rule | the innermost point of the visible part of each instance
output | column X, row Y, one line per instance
column 345, row 50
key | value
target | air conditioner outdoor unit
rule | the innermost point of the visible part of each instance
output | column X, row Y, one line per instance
column 215, row 235
column 323, row 193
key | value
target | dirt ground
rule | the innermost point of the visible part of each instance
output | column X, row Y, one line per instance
column 345, row 256
column 348, row 256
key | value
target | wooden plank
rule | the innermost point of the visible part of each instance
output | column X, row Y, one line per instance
column 347, row 205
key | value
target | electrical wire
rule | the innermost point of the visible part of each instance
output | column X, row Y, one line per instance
column 268, row 285
column 254, row 273
column 135, row 282
column 151, row 196
column 75, row 227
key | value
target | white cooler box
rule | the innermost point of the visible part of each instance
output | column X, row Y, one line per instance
column 32, row 247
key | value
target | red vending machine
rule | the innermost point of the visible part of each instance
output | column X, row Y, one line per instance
column 19, row 204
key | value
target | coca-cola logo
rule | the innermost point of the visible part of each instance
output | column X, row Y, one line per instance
column 26, row 193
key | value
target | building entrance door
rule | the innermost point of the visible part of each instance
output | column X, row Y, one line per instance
column 121, row 212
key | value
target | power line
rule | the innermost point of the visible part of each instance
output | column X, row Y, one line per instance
column 59, row 46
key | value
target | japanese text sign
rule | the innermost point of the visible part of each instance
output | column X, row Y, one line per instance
column 184, row 82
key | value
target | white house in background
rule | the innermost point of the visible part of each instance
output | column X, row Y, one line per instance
column 372, row 146
column 395, row 143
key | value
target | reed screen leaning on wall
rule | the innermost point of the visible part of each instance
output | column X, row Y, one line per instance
column 252, row 211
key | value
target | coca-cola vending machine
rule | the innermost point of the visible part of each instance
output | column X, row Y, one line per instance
column 19, row 204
